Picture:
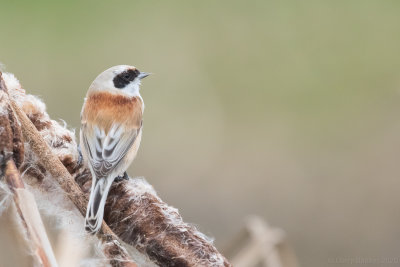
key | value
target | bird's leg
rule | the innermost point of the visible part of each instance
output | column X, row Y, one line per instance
column 120, row 178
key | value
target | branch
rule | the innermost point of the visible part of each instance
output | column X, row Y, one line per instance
column 133, row 210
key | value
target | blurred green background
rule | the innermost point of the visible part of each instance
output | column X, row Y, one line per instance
column 286, row 109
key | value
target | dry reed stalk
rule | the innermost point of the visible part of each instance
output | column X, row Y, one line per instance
column 29, row 216
column 11, row 148
column 133, row 210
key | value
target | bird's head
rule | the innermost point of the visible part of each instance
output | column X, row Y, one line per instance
column 122, row 79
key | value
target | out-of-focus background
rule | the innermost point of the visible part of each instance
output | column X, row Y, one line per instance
column 285, row 109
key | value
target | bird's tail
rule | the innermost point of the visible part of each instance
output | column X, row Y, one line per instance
column 97, row 201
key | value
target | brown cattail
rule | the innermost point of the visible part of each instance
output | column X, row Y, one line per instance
column 133, row 211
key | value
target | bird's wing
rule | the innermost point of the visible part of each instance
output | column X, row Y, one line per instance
column 106, row 150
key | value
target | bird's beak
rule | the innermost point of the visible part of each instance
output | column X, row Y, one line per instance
column 143, row 75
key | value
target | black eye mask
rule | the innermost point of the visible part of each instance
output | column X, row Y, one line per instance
column 124, row 78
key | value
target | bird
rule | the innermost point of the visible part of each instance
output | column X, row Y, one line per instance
column 110, row 133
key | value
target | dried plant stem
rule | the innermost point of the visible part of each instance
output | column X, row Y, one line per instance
column 11, row 148
column 50, row 162
column 30, row 217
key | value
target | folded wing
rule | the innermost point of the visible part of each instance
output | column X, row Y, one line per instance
column 106, row 150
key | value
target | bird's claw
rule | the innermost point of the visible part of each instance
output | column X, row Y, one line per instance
column 120, row 178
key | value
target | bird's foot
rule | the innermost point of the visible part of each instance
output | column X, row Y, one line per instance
column 120, row 178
